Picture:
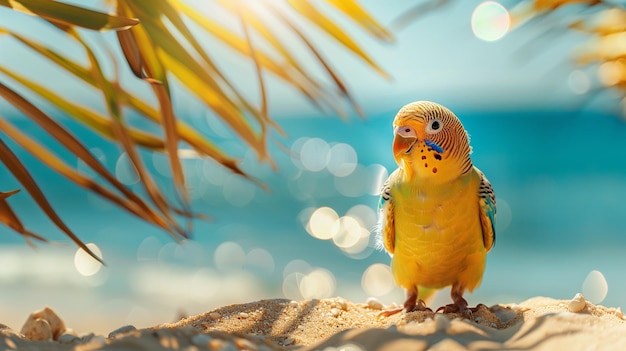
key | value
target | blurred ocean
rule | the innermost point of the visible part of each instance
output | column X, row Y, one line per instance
column 559, row 177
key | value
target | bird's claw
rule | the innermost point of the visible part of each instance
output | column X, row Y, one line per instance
column 420, row 306
column 467, row 312
column 388, row 313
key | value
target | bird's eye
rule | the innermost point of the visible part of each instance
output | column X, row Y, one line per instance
column 434, row 126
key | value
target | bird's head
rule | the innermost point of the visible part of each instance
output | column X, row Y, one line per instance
column 430, row 142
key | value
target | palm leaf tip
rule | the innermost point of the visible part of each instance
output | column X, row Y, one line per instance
column 65, row 15
column 4, row 195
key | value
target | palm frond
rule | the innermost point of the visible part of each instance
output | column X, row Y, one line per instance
column 603, row 22
column 158, row 45
column 66, row 15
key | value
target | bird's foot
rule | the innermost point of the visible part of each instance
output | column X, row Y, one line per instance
column 461, row 308
column 420, row 306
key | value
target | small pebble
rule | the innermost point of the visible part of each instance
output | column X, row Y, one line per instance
column 494, row 325
column 37, row 330
column 293, row 304
column 334, row 312
column 122, row 330
column 288, row 341
column 342, row 304
column 216, row 344
column 215, row 315
column 577, row 304
column 201, row 340
column 85, row 338
column 68, row 339
column 244, row 315
column 245, row 344
column 374, row 304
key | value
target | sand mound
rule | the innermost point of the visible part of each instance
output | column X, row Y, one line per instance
column 336, row 324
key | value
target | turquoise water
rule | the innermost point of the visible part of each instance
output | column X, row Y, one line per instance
column 559, row 177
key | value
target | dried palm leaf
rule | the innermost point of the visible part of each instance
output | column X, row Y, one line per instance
column 20, row 172
column 158, row 45
column 67, row 15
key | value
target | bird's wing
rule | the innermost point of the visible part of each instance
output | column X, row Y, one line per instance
column 487, row 204
column 386, row 226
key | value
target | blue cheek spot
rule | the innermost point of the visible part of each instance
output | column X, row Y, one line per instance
column 433, row 145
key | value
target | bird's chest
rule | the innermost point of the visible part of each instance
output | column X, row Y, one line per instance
column 427, row 216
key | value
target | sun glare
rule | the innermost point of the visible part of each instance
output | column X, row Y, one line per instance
column 490, row 21
column 85, row 264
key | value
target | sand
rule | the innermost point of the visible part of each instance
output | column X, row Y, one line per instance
column 337, row 324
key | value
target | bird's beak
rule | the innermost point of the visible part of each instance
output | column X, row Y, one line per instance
column 404, row 139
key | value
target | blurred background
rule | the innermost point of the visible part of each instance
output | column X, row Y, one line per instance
column 547, row 130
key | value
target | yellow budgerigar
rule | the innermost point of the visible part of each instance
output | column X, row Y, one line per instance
column 437, row 211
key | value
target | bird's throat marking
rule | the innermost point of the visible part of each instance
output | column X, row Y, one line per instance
column 433, row 145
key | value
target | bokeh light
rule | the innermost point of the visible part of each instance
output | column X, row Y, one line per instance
column 260, row 260
column 612, row 72
column 229, row 256
column 595, row 287
column 84, row 263
column 377, row 280
column 301, row 281
column 322, row 223
column 342, row 160
column 318, row 284
column 351, row 233
column 490, row 21
column 238, row 191
column 295, row 266
column 314, row 154
column 149, row 249
column 579, row 82
column 364, row 214
column 346, row 232
column 361, row 247
column 377, row 175
column 291, row 285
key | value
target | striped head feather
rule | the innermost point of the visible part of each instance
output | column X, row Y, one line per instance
column 430, row 142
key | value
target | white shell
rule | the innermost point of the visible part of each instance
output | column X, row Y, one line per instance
column 577, row 304
column 374, row 304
